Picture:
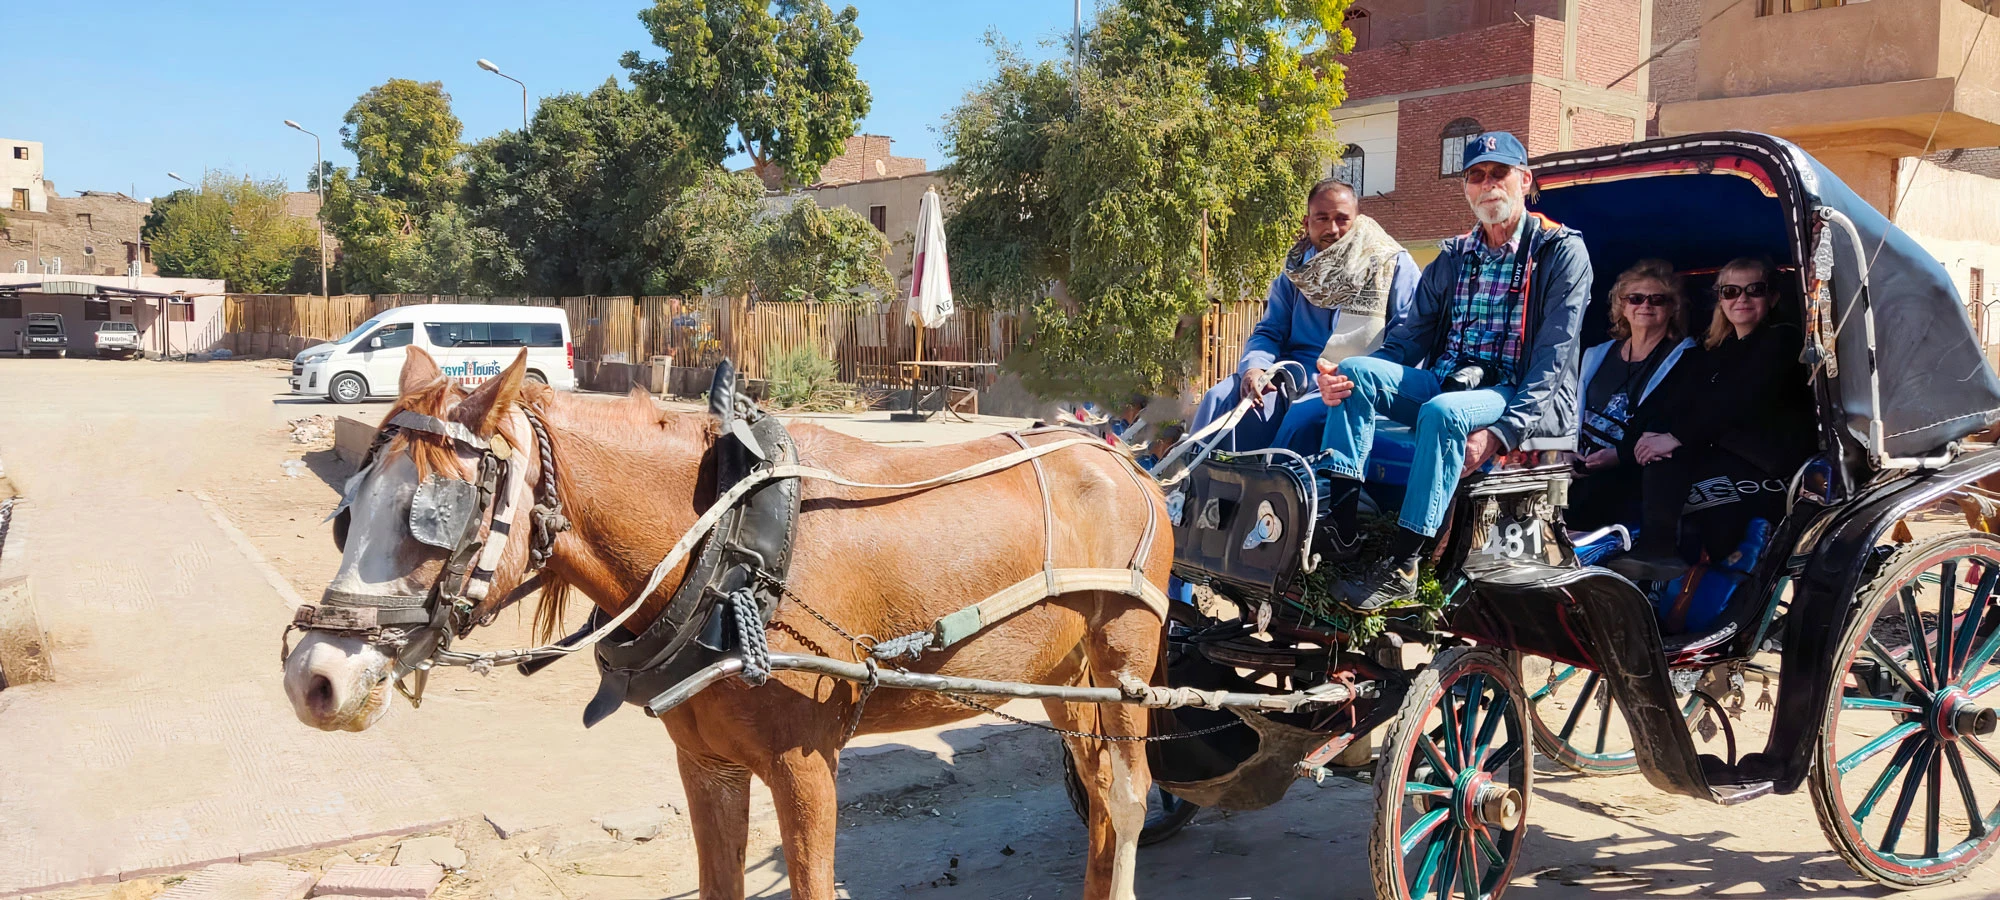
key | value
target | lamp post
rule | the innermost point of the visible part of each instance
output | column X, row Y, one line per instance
column 488, row 65
column 319, row 181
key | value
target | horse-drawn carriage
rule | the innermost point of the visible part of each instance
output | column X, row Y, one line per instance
column 1883, row 650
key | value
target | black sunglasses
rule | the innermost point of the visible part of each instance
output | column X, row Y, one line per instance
column 1755, row 289
column 1648, row 299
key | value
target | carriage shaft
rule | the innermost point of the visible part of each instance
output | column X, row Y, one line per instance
column 1322, row 695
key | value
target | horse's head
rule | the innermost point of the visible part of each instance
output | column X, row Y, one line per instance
column 434, row 531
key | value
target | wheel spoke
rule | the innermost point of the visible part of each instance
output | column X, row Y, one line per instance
column 1965, row 793
column 1603, row 726
column 1448, row 710
column 1469, row 868
column 1983, row 685
column 1888, row 776
column 1851, row 760
column 1886, row 705
column 1468, row 720
column 1504, row 756
column 1975, row 615
column 1979, row 750
column 1430, row 750
column 1495, row 714
column 1487, row 846
column 1912, row 781
column 1419, row 789
column 1428, row 872
column 1582, row 703
column 1556, row 679
column 1933, row 806
column 1888, row 662
column 1448, row 870
column 1976, row 663
column 1947, row 611
column 1421, row 831
column 1913, row 625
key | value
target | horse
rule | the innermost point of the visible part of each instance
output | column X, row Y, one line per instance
column 633, row 479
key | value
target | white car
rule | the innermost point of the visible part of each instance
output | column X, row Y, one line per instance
column 118, row 339
column 471, row 343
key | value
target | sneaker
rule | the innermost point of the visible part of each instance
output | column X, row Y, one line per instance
column 1331, row 546
column 1639, row 566
column 1385, row 585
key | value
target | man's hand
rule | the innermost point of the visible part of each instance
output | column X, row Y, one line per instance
column 1254, row 381
column 1333, row 386
column 1601, row 459
column 1654, row 446
column 1479, row 448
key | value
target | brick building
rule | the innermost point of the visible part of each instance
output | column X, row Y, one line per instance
column 1427, row 74
column 866, row 158
column 96, row 233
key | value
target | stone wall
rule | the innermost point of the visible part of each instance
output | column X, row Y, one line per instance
column 106, row 223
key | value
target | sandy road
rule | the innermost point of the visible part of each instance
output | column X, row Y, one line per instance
column 166, row 728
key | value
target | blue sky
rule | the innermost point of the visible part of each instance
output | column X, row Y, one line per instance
column 122, row 92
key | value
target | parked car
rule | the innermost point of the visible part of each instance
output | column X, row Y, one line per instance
column 120, row 339
column 470, row 342
column 44, row 335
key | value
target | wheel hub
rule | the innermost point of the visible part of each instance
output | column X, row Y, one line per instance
column 1499, row 806
column 1958, row 716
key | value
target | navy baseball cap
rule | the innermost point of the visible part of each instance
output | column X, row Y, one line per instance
column 1495, row 146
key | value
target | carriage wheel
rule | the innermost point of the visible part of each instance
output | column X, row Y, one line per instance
column 1166, row 814
column 1906, row 775
column 1452, row 782
column 1577, row 725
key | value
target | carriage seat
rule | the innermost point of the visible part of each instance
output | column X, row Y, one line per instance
column 1395, row 446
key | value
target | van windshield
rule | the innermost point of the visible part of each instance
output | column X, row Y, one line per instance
column 358, row 331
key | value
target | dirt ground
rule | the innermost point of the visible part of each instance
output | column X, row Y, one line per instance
column 975, row 810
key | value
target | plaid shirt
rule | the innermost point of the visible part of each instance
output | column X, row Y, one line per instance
column 1485, row 317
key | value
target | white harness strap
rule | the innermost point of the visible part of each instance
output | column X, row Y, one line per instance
column 504, row 509
column 1048, row 519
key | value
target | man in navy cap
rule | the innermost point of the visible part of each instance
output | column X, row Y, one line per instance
column 1485, row 362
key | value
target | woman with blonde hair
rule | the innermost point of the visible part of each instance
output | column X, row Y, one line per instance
column 1621, row 391
column 1741, row 426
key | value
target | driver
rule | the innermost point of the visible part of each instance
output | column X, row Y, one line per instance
column 1486, row 359
column 1340, row 279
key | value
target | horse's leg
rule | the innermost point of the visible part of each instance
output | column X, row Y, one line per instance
column 802, row 789
column 1114, row 773
column 718, row 793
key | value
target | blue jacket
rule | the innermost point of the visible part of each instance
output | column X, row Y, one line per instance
column 1544, row 403
column 1294, row 329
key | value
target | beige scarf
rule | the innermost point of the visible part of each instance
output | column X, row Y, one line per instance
column 1353, row 276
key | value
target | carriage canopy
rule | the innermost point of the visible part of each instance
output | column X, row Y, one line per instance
column 1702, row 200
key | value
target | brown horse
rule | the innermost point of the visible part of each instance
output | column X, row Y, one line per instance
column 634, row 479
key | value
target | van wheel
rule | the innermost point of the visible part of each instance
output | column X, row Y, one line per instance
column 536, row 377
column 347, row 387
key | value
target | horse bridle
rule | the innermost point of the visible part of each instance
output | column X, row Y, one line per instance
column 471, row 520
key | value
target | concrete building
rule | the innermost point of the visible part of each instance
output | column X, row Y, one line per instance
column 1425, row 75
column 883, row 188
column 1893, row 95
column 866, row 157
column 173, row 315
column 22, row 189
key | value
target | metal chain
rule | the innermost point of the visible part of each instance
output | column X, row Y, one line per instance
column 962, row 700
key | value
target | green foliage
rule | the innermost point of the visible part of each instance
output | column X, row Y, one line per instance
column 1190, row 121
column 405, row 141
column 587, row 195
column 1316, row 596
column 234, row 229
column 776, row 79
column 801, row 377
column 809, row 253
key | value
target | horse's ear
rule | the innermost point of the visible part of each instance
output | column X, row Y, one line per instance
column 419, row 371
column 487, row 407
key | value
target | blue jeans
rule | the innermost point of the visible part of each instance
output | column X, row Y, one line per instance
column 1295, row 426
column 1442, row 422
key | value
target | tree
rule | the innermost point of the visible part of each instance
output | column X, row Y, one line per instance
column 235, row 229
column 405, row 141
column 776, row 80
column 1191, row 126
column 809, row 253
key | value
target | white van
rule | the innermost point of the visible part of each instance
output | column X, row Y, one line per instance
column 470, row 343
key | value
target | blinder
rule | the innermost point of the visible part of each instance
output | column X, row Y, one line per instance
column 441, row 513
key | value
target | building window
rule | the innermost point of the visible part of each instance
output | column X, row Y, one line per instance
column 20, row 267
column 1492, row 12
column 96, row 311
column 181, row 312
column 10, row 307
column 1351, row 168
column 53, row 266
column 1454, row 138
column 83, row 220
column 878, row 216
column 124, row 309
column 1358, row 25
column 20, row 153
column 1773, row 7
column 21, row 199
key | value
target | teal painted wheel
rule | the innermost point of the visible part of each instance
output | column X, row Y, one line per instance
column 1906, row 774
column 1577, row 723
column 1453, row 781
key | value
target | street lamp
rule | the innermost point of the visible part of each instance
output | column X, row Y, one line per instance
column 319, row 180
column 182, row 180
column 488, row 65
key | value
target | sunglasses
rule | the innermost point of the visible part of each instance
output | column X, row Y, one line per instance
column 1756, row 290
column 1648, row 299
column 1482, row 176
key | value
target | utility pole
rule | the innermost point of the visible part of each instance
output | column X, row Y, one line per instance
column 1076, row 55
column 319, row 180
column 488, row 65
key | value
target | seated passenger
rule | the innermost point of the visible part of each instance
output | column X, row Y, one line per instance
column 1620, row 392
column 1485, row 361
column 1340, row 281
column 1740, row 427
